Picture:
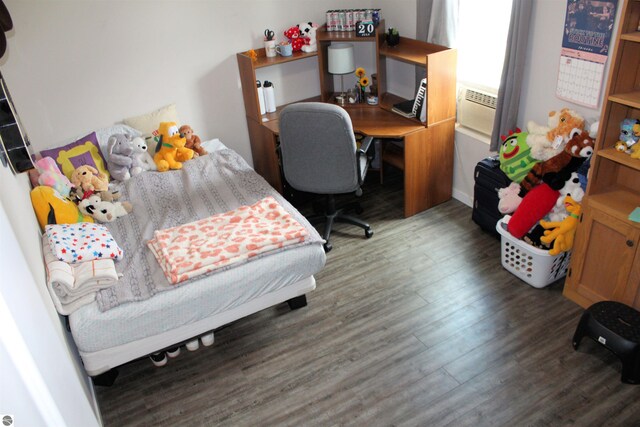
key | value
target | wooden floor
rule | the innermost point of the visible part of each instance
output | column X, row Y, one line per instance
column 419, row 325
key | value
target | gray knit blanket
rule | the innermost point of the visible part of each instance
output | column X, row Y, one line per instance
column 207, row 185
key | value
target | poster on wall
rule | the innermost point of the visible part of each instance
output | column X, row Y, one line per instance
column 585, row 47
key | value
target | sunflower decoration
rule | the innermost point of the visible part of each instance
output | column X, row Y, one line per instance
column 363, row 81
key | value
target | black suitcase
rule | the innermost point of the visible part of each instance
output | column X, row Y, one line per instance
column 488, row 179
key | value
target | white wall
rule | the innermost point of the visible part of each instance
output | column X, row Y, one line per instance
column 74, row 66
column 41, row 376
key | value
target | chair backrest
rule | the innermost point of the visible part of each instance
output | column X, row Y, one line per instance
column 318, row 148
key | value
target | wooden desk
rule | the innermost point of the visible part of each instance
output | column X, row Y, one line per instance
column 428, row 153
column 428, row 147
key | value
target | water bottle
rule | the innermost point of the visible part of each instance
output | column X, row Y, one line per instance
column 261, row 97
column 269, row 97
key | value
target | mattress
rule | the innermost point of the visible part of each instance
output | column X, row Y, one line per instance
column 233, row 290
column 94, row 330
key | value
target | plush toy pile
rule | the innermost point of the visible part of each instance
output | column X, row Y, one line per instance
column 88, row 197
column 543, row 164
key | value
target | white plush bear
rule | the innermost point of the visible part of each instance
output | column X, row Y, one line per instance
column 308, row 30
column 142, row 160
column 571, row 187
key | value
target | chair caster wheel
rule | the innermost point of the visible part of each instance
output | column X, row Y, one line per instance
column 327, row 247
column 368, row 233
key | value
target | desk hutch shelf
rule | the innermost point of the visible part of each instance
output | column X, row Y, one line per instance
column 605, row 264
column 427, row 158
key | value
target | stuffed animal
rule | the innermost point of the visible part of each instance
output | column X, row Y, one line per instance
column 51, row 176
column 547, row 141
column 534, row 206
column 120, row 150
column 563, row 232
column 571, row 188
column 515, row 155
column 171, row 150
column 509, row 198
column 103, row 211
column 628, row 140
column 580, row 145
column 88, row 178
column 308, row 31
column 52, row 208
column 295, row 38
column 142, row 160
column 627, row 135
column 193, row 141
column 635, row 149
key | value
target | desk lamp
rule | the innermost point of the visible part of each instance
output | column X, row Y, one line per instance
column 341, row 62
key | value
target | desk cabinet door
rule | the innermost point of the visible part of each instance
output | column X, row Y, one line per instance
column 603, row 261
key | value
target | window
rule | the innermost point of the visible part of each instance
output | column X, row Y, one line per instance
column 481, row 41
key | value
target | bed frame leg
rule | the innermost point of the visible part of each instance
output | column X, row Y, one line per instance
column 106, row 379
column 297, row 302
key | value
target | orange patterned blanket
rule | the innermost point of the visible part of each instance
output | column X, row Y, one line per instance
column 200, row 247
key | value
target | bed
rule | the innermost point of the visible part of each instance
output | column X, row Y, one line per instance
column 143, row 313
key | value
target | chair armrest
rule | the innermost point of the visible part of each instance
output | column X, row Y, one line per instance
column 362, row 151
column 364, row 146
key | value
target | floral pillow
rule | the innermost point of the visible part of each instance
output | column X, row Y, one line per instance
column 85, row 151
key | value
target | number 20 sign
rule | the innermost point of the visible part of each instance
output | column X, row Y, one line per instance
column 365, row 29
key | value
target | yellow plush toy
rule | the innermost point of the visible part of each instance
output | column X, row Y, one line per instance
column 171, row 149
column 51, row 208
column 564, row 231
column 635, row 148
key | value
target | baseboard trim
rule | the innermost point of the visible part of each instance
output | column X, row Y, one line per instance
column 462, row 197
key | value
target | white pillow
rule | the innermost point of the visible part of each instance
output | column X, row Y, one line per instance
column 212, row 145
column 148, row 123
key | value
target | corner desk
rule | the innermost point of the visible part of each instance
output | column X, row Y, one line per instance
column 427, row 157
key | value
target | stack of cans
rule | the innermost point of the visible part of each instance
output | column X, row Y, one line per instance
column 345, row 19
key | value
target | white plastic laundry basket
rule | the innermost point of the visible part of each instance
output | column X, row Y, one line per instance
column 534, row 266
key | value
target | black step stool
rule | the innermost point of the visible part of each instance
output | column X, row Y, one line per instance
column 617, row 327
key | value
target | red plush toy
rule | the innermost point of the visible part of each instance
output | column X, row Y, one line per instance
column 295, row 38
column 534, row 206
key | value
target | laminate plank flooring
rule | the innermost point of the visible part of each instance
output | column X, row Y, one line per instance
column 419, row 325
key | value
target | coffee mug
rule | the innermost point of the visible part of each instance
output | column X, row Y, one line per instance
column 270, row 48
column 285, row 49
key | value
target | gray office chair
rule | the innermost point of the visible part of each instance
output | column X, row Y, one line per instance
column 319, row 155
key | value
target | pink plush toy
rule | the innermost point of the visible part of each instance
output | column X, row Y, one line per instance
column 509, row 198
column 51, row 176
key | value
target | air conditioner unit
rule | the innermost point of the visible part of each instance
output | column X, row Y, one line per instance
column 476, row 110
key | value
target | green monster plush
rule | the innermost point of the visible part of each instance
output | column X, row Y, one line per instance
column 515, row 156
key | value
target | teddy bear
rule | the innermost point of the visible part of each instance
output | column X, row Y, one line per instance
column 120, row 160
column 308, row 31
column 51, row 176
column 103, row 211
column 89, row 179
column 547, row 141
column 141, row 159
column 295, row 38
column 580, row 145
column 172, row 151
column 193, row 141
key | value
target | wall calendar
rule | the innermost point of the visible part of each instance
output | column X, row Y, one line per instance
column 585, row 47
